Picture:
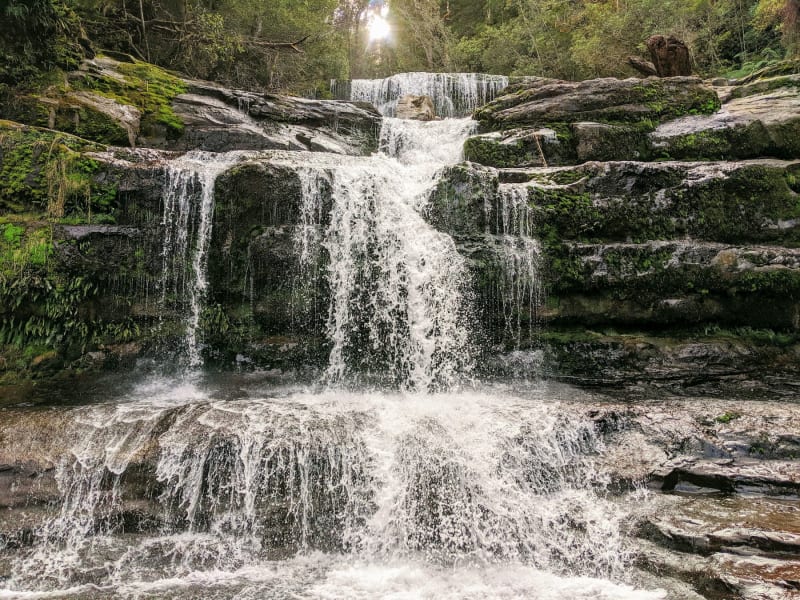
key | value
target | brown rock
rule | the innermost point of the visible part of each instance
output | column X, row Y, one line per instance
column 670, row 56
column 418, row 108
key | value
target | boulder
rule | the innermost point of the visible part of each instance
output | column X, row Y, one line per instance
column 758, row 119
column 418, row 108
column 670, row 56
column 619, row 100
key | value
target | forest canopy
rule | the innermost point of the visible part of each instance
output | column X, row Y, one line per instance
column 298, row 46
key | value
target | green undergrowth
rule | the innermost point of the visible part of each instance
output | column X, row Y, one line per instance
column 47, row 173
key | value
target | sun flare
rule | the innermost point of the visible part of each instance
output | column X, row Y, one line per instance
column 378, row 28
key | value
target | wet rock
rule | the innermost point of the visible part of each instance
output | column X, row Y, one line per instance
column 637, row 201
column 519, row 148
column 670, row 282
column 695, row 542
column 760, row 119
column 603, row 100
column 729, row 475
column 222, row 119
column 418, row 108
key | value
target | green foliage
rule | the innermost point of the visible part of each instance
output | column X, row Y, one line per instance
column 228, row 40
column 47, row 173
column 576, row 40
column 36, row 36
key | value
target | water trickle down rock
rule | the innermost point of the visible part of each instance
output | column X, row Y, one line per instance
column 187, row 224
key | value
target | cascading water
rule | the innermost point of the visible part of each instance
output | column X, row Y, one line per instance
column 519, row 253
column 177, row 492
column 187, row 221
column 172, row 495
column 453, row 94
column 398, row 307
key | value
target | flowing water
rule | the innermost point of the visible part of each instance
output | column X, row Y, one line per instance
column 187, row 220
column 177, row 489
column 453, row 94
column 182, row 492
column 399, row 310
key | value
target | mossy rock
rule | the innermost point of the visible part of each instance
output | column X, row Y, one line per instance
column 664, row 284
column 522, row 148
column 48, row 173
column 599, row 100
column 457, row 205
column 144, row 86
column 675, row 358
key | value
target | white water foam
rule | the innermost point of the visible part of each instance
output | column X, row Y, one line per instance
column 453, row 94
column 451, row 495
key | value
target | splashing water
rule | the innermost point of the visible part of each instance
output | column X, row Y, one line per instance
column 326, row 492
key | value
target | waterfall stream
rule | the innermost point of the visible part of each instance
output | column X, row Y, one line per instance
column 453, row 94
column 187, row 222
column 416, row 491
column 399, row 308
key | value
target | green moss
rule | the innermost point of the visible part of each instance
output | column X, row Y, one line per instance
column 12, row 235
column 492, row 153
column 47, row 173
column 22, row 249
column 728, row 416
column 148, row 88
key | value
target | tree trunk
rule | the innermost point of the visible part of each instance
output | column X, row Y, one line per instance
column 670, row 56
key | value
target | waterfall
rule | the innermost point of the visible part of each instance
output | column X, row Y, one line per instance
column 461, row 480
column 453, row 94
column 399, row 306
column 519, row 253
column 187, row 221
column 174, row 491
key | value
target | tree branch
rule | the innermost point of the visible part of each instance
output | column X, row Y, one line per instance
column 279, row 45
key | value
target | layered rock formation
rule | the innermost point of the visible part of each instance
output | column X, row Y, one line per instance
column 656, row 270
column 667, row 226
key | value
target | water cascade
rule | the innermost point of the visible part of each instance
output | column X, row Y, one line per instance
column 398, row 307
column 187, row 222
column 453, row 94
column 173, row 491
column 519, row 252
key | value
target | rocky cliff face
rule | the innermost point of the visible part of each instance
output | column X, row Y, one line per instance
column 656, row 269
column 665, row 214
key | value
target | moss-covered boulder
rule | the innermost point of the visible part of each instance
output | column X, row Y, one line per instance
column 560, row 144
column 759, row 119
column 674, row 283
column 600, row 100
column 734, row 202
column 746, row 358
